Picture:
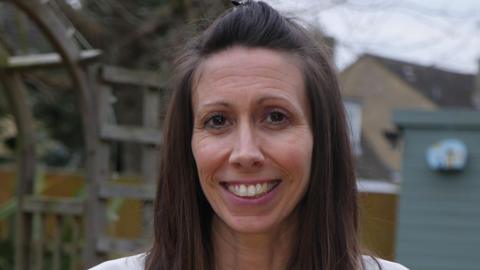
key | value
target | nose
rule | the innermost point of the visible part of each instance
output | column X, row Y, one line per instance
column 246, row 152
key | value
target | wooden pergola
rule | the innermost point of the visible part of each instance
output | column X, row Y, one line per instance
column 93, row 83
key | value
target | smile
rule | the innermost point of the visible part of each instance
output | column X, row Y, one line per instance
column 253, row 190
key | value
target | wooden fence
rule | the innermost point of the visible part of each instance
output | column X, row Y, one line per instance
column 56, row 239
column 56, row 223
column 58, row 213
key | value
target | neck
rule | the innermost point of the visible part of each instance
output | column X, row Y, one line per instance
column 236, row 250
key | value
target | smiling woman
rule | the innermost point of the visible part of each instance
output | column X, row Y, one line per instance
column 251, row 141
column 256, row 169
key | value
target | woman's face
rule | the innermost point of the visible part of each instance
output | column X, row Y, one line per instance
column 252, row 141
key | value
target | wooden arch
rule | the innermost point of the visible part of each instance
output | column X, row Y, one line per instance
column 70, row 54
column 94, row 85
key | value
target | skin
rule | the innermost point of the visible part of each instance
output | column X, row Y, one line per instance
column 251, row 124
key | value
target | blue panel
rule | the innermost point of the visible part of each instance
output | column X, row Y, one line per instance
column 439, row 212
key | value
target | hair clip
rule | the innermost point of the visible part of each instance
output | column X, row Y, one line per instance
column 239, row 3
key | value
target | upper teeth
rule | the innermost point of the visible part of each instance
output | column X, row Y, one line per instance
column 252, row 190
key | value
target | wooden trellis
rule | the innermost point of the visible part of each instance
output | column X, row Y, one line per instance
column 32, row 248
column 94, row 85
column 148, row 135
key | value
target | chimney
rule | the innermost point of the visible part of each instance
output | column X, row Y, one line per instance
column 476, row 90
column 353, row 109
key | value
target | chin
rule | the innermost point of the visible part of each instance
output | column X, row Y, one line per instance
column 253, row 224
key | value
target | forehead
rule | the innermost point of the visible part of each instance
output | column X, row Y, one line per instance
column 249, row 68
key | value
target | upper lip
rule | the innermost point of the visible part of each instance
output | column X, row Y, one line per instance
column 249, row 181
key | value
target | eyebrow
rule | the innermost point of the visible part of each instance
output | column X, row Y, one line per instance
column 258, row 101
column 282, row 98
column 266, row 98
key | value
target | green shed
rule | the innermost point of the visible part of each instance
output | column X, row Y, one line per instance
column 439, row 207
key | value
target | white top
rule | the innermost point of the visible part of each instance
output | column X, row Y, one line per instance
column 137, row 263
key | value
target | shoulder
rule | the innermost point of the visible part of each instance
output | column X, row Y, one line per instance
column 372, row 264
column 136, row 262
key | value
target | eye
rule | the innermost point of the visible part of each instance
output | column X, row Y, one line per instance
column 216, row 121
column 276, row 117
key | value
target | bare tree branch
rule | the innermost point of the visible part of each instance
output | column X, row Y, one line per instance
column 93, row 31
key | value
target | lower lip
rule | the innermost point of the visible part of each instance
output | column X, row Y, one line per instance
column 264, row 199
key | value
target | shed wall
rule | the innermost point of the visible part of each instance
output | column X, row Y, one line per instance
column 439, row 213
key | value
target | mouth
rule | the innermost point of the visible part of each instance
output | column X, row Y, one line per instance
column 251, row 190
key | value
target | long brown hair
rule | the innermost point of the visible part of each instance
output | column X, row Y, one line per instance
column 327, row 235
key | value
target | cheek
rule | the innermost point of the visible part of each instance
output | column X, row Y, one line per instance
column 295, row 153
column 298, row 160
column 208, row 154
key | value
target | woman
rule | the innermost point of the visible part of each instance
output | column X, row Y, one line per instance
column 256, row 170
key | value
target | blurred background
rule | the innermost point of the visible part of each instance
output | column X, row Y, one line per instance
column 83, row 90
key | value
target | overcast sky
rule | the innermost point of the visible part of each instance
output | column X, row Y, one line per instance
column 442, row 33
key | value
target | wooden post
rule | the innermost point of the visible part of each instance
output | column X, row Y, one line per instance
column 150, row 153
column 38, row 241
column 17, row 97
column 57, row 242
column 102, row 95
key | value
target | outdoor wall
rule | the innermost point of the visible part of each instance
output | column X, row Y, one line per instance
column 380, row 92
column 439, row 212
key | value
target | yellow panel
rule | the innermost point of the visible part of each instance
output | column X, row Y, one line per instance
column 378, row 223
